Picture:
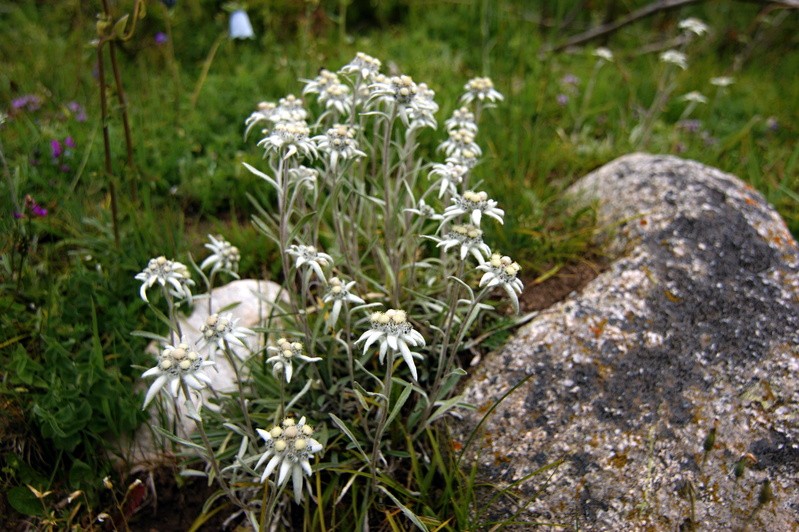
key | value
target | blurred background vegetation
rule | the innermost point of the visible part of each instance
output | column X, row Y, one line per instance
column 67, row 293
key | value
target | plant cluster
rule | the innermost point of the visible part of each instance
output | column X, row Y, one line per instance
column 351, row 217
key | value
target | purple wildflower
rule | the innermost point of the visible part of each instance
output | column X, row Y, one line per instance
column 562, row 99
column 77, row 111
column 160, row 38
column 56, row 150
column 70, row 142
column 28, row 102
column 570, row 79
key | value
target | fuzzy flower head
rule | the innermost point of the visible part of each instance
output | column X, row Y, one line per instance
column 220, row 330
column 282, row 355
column 339, row 143
column 302, row 175
column 722, row 81
column 422, row 112
column 693, row 25
column 321, row 82
column 481, row 89
column 264, row 113
column 475, row 204
column 166, row 272
column 693, row 97
column 224, row 256
column 392, row 330
column 450, row 175
column 177, row 364
column 459, row 141
column 337, row 98
column 502, row 271
column 398, row 91
column 289, row 446
column 307, row 255
column 339, row 293
column 466, row 158
column 363, row 65
column 425, row 211
column 290, row 138
column 289, row 109
column 603, row 54
column 674, row 57
column 461, row 118
column 470, row 240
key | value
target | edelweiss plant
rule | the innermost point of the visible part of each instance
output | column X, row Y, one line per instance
column 347, row 182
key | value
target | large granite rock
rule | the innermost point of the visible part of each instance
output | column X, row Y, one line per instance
column 692, row 330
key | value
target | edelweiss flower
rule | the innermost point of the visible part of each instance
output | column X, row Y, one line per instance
column 339, row 142
column 314, row 259
column 469, row 238
column 722, row 81
column 675, row 58
column 424, row 210
column 289, row 109
column 336, row 97
column 220, row 329
column 176, row 364
column 502, row 271
column 399, row 91
column 461, row 118
column 392, row 330
column 475, row 204
column 603, row 53
column 465, row 158
column 290, row 447
column 693, row 96
column 165, row 272
column 302, row 175
column 422, row 112
column 364, row 65
column 481, row 89
column 264, row 113
column 285, row 351
column 450, row 174
column 693, row 25
column 225, row 256
column 321, row 82
column 291, row 137
column 459, row 141
column 339, row 293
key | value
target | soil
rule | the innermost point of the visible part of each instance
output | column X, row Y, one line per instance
column 570, row 277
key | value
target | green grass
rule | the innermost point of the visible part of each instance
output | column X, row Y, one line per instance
column 65, row 313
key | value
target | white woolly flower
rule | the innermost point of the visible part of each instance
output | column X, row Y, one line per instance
column 218, row 330
column 339, row 143
column 481, row 89
column 291, row 447
column 461, row 118
column 399, row 92
column 475, row 204
column 291, row 138
column 166, row 272
column 339, row 293
column 459, row 141
column 302, row 175
column 470, row 240
column 722, row 81
column 466, row 158
column 307, row 255
column 289, row 109
column 320, row 83
column 693, row 25
column 502, row 271
column 224, row 256
column 603, row 53
column 264, row 113
column 425, row 211
column 694, row 96
column 177, row 364
column 336, row 97
column 450, row 175
column 675, row 58
column 392, row 330
column 364, row 65
column 283, row 353
column 422, row 112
